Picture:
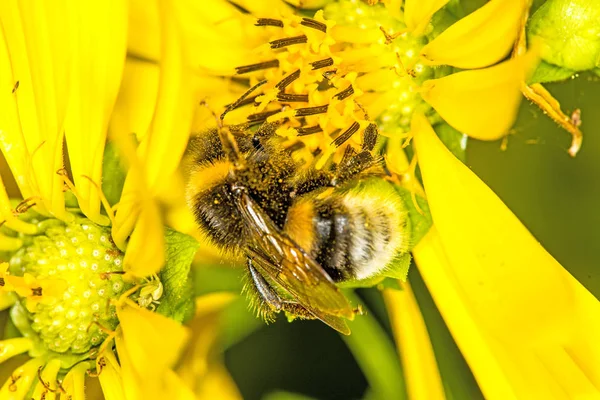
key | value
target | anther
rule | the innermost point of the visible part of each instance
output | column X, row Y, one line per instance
column 292, row 98
column 285, row 82
column 25, row 205
column 269, row 22
column 311, row 23
column 106, row 275
column 36, row 291
column 347, row 134
column 284, row 42
column 344, row 93
column 259, row 117
column 309, row 130
column 13, row 383
column 2, row 282
column 238, row 102
column 327, row 62
column 101, row 363
column 328, row 74
column 14, row 89
column 244, row 69
column 303, row 112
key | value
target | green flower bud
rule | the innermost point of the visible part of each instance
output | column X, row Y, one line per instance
column 569, row 33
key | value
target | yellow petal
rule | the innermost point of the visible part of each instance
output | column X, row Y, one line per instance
column 98, row 51
column 28, row 374
column 145, row 253
column 526, row 327
column 480, row 39
column 162, row 148
column 110, row 378
column 422, row 375
column 48, row 376
column 35, row 33
column 137, row 99
column 480, row 103
column 417, row 13
column 74, row 381
column 11, row 347
column 144, row 334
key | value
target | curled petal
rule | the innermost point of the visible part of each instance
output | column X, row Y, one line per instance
column 482, row 38
column 417, row 13
column 480, row 103
column 526, row 327
column 74, row 381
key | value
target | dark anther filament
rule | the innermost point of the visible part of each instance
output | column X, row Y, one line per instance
column 285, row 82
column 311, row 23
column 347, row 134
column 239, row 101
column 344, row 93
column 292, row 98
column 259, row 117
column 327, row 62
column 303, row 112
column 269, row 22
column 279, row 43
column 309, row 130
column 244, row 69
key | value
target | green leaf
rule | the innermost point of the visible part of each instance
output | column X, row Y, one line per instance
column 568, row 33
column 546, row 72
column 281, row 395
column 218, row 278
column 454, row 140
column 376, row 355
column 177, row 301
column 419, row 222
column 113, row 174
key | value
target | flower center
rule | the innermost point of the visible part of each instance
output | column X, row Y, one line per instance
column 74, row 271
column 328, row 78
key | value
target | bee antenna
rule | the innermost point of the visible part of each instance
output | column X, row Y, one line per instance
column 228, row 142
column 218, row 120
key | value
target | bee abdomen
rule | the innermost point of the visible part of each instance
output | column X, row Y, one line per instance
column 352, row 234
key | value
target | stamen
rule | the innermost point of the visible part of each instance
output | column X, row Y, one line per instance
column 311, row 23
column 244, row 69
column 328, row 62
column 370, row 137
column 269, row 22
column 36, row 291
column 291, row 98
column 249, row 100
column 295, row 147
column 259, row 117
column 285, row 82
column 14, row 89
column 2, row 282
column 303, row 112
column 309, row 130
column 284, row 42
column 347, row 134
column 238, row 102
column 344, row 93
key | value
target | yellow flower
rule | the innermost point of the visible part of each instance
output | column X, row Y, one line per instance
column 515, row 313
column 78, row 288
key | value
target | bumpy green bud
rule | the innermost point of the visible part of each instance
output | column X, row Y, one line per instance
column 569, row 33
column 82, row 255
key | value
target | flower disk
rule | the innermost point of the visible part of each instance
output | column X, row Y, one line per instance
column 73, row 272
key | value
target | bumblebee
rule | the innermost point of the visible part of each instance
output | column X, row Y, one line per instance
column 302, row 230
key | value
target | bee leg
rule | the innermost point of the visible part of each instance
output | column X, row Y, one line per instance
column 269, row 296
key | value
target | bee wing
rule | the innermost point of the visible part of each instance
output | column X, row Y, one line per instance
column 267, row 268
column 288, row 265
